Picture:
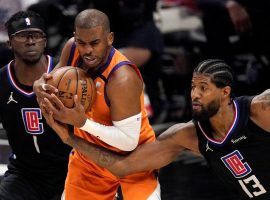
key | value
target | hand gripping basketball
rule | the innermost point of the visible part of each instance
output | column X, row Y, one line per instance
column 71, row 81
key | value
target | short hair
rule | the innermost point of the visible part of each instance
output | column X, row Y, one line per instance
column 221, row 74
column 91, row 18
column 17, row 22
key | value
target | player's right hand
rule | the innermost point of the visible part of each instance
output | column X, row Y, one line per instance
column 43, row 90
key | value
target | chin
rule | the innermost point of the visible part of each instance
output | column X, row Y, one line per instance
column 199, row 116
column 31, row 61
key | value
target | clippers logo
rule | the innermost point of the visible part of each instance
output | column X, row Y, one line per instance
column 31, row 119
column 27, row 21
column 233, row 162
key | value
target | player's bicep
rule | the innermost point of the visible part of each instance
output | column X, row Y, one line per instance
column 124, row 90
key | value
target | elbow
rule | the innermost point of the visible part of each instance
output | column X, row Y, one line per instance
column 123, row 172
column 121, row 168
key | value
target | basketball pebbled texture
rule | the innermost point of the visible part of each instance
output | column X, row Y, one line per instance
column 71, row 81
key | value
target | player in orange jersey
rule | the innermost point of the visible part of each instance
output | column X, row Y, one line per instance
column 117, row 120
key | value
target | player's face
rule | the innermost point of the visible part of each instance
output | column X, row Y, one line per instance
column 93, row 45
column 28, row 45
column 205, row 97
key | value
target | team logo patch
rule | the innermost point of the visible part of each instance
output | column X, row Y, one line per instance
column 27, row 21
column 233, row 162
column 31, row 119
column 11, row 99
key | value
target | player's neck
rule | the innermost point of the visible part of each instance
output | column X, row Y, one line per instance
column 27, row 74
column 222, row 121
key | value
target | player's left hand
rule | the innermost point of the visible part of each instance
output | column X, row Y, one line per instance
column 73, row 116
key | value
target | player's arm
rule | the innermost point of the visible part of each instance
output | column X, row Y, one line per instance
column 160, row 153
column 124, row 90
column 148, row 156
column 260, row 110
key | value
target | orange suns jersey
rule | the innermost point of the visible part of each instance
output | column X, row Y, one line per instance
column 100, row 111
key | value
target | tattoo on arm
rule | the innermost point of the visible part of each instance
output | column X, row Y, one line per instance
column 265, row 98
column 101, row 156
column 106, row 159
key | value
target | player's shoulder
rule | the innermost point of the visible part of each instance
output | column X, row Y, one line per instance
column 66, row 51
column 68, row 45
column 260, row 102
column 126, row 74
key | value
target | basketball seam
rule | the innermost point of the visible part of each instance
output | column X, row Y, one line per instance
column 76, row 92
column 92, row 89
column 63, row 76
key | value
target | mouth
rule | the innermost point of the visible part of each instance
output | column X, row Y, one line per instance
column 90, row 60
column 31, row 52
column 196, row 106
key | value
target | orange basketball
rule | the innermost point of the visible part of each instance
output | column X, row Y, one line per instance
column 71, row 81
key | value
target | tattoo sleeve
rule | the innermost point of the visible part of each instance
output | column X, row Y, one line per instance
column 101, row 156
column 265, row 99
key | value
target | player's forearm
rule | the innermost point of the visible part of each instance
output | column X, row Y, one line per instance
column 151, row 156
column 101, row 156
column 148, row 156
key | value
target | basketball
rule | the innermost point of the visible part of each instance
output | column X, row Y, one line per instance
column 71, row 81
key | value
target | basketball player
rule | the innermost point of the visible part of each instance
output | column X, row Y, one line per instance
column 38, row 165
column 233, row 134
column 117, row 120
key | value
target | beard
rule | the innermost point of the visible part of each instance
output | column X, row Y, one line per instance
column 207, row 111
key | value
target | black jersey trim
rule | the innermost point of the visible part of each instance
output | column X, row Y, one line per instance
column 230, row 131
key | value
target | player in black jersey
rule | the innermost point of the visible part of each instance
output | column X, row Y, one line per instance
column 233, row 134
column 38, row 165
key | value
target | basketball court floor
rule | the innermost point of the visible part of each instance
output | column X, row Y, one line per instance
column 187, row 178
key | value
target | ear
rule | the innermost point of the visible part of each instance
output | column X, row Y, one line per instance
column 110, row 38
column 74, row 37
column 45, row 42
column 9, row 44
column 227, row 91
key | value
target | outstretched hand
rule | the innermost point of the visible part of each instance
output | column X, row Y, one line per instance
column 74, row 116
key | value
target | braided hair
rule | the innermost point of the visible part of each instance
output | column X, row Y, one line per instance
column 221, row 74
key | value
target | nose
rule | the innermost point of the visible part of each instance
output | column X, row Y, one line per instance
column 88, row 49
column 30, row 40
column 195, row 93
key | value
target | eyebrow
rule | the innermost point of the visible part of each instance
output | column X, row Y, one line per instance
column 80, row 40
column 201, row 82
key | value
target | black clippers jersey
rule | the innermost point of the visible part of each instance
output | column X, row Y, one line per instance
column 37, row 150
column 242, row 159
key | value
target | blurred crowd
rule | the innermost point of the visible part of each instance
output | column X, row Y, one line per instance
column 236, row 31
